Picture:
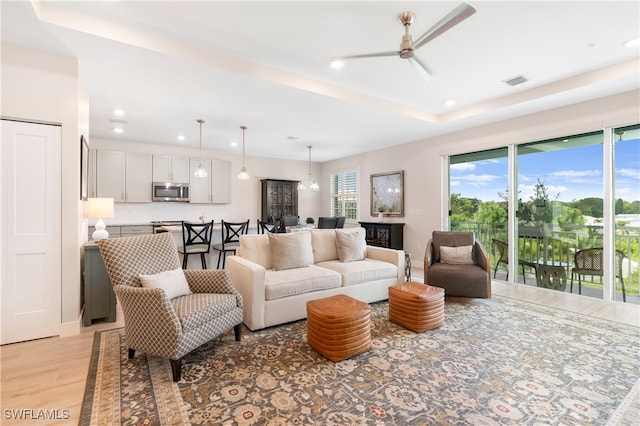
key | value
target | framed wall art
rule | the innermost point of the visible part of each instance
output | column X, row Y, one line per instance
column 84, row 168
column 387, row 194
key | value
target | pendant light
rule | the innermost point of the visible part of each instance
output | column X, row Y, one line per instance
column 200, row 172
column 243, row 175
column 313, row 186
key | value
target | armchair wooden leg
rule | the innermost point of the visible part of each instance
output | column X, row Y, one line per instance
column 238, row 331
column 176, row 365
column 131, row 353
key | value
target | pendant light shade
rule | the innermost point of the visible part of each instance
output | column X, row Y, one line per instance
column 200, row 171
column 313, row 185
column 243, row 175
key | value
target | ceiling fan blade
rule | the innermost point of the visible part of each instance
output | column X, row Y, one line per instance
column 456, row 16
column 366, row 55
column 421, row 67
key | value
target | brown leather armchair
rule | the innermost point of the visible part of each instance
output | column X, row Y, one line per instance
column 471, row 279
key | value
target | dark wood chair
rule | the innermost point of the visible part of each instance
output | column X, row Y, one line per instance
column 341, row 221
column 231, row 232
column 266, row 228
column 196, row 239
column 327, row 222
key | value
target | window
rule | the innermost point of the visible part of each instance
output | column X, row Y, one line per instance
column 344, row 194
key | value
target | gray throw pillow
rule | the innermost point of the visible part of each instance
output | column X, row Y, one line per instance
column 290, row 251
column 351, row 244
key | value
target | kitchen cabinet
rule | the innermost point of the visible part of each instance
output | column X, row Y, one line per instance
column 389, row 235
column 124, row 176
column 97, row 294
column 213, row 189
column 279, row 199
column 220, row 182
column 169, row 168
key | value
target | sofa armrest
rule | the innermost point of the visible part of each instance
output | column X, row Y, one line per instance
column 249, row 279
column 388, row 255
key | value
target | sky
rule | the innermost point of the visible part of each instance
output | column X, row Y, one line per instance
column 568, row 174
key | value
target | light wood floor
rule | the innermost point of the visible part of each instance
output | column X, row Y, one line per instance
column 50, row 374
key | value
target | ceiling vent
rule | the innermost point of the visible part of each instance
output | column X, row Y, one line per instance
column 516, row 80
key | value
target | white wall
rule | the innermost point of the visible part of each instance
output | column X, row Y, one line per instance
column 422, row 160
column 245, row 198
column 45, row 88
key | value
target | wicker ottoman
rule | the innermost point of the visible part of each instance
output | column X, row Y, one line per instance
column 338, row 327
column 416, row 306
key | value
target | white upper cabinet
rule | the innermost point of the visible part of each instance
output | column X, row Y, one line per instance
column 199, row 188
column 220, row 181
column 213, row 189
column 123, row 176
column 168, row 168
column 138, row 178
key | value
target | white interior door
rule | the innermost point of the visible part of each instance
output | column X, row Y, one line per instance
column 31, row 234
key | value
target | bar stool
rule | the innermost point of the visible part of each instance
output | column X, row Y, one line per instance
column 196, row 239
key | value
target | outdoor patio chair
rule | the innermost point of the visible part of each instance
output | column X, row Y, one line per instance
column 589, row 262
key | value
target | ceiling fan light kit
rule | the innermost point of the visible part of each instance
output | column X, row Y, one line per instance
column 408, row 46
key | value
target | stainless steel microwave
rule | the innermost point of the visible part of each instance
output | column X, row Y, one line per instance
column 167, row 191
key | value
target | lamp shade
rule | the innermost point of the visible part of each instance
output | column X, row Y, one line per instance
column 99, row 208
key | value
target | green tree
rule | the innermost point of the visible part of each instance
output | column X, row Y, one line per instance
column 491, row 212
column 619, row 208
column 463, row 209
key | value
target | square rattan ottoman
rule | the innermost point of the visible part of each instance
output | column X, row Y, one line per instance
column 416, row 306
column 338, row 327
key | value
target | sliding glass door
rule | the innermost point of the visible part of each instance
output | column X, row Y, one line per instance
column 576, row 211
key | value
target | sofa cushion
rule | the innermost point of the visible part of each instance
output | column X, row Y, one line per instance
column 351, row 244
column 359, row 272
column 292, row 250
column 460, row 280
column 256, row 248
column 323, row 242
column 202, row 308
column 460, row 255
column 172, row 282
column 290, row 282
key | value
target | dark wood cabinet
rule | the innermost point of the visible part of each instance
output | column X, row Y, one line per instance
column 279, row 199
column 389, row 235
column 97, row 293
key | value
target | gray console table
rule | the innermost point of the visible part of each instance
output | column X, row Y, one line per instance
column 97, row 295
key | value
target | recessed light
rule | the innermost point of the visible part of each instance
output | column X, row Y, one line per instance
column 337, row 64
column 635, row 42
column 450, row 102
column 118, row 129
column 233, row 144
column 118, row 112
column 180, row 137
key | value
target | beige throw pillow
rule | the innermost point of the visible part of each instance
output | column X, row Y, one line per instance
column 172, row 282
column 456, row 255
column 351, row 244
column 290, row 251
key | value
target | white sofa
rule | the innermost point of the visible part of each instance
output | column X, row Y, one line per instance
column 275, row 286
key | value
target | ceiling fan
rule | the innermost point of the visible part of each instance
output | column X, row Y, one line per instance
column 408, row 47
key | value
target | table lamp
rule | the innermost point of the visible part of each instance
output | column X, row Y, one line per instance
column 98, row 208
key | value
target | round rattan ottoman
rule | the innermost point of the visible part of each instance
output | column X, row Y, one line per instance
column 416, row 306
column 338, row 327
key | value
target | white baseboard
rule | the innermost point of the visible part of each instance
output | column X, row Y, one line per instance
column 70, row 328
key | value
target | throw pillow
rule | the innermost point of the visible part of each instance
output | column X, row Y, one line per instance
column 289, row 251
column 172, row 282
column 351, row 244
column 323, row 242
column 460, row 255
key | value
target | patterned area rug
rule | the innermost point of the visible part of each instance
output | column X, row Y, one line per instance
column 494, row 362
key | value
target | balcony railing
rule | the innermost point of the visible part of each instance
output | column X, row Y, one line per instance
column 544, row 244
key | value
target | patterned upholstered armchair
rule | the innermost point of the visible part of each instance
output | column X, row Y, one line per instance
column 457, row 262
column 155, row 324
